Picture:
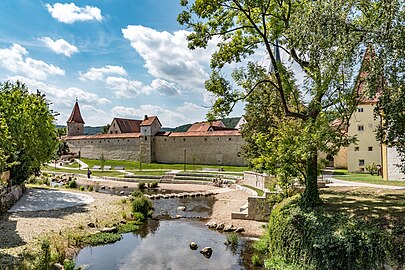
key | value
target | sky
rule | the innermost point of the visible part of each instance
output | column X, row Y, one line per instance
column 120, row 58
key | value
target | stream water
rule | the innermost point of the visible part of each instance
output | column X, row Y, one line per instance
column 163, row 242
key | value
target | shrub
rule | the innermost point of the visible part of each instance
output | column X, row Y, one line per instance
column 372, row 168
column 232, row 239
column 69, row 265
column 82, row 188
column 72, row 184
column 316, row 239
column 141, row 185
column 256, row 260
column 137, row 193
column 142, row 205
column 44, row 258
column 90, row 188
column 154, row 184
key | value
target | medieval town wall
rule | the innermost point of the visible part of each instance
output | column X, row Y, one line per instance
column 394, row 172
column 211, row 150
column 111, row 148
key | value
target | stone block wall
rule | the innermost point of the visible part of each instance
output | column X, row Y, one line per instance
column 393, row 160
column 111, row 148
column 9, row 196
column 210, row 150
column 255, row 179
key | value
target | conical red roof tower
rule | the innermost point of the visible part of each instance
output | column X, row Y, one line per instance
column 75, row 116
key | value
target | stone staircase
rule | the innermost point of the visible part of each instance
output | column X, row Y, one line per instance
column 168, row 177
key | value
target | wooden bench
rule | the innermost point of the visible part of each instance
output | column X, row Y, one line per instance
column 96, row 167
column 107, row 168
column 119, row 167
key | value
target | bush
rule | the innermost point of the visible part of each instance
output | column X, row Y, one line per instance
column 82, row 188
column 90, row 188
column 44, row 259
column 141, row 185
column 315, row 239
column 232, row 239
column 142, row 205
column 69, row 265
column 154, row 184
column 372, row 168
column 256, row 260
column 72, row 184
column 137, row 193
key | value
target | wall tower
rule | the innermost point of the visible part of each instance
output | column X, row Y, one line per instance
column 75, row 123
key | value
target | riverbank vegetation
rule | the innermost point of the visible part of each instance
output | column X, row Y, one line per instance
column 355, row 228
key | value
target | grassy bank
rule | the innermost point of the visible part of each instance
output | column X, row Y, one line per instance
column 365, row 178
column 355, row 228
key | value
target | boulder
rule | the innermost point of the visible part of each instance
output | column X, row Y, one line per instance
column 240, row 229
column 193, row 246
column 229, row 228
column 181, row 208
column 102, row 187
column 122, row 192
column 109, row 230
column 58, row 266
column 212, row 225
column 178, row 216
column 220, row 226
column 207, row 252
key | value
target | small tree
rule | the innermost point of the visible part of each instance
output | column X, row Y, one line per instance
column 102, row 160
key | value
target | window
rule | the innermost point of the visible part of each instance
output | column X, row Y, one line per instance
column 111, row 132
column 360, row 109
column 184, row 139
column 165, row 139
column 229, row 139
column 360, row 127
column 361, row 162
column 370, row 148
column 205, row 139
column 146, row 138
column 356, row 148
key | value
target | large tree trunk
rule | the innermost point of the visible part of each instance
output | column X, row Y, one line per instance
column 311, row 195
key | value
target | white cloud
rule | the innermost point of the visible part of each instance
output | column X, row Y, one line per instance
column 94, row 116
column 60, row 46
column 165, row 88
column 186, row 113
column 70, row 13
column 59, row 96
column 125, row 88
column 15, row 60
column 167, row 56
column 98, row 74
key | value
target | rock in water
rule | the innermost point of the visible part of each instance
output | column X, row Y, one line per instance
column 109, row 230
column 193, row 246
column 207, row 252
column 181, row 208
column 229, row 228
column 240, row 229
column 220, row 226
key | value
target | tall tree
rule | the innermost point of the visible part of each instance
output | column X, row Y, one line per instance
column 30, row 125
column 325, row 39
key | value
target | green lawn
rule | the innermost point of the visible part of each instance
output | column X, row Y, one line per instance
column 77, row 171
column 365, row 178
column 134, row 165
column 259, row 191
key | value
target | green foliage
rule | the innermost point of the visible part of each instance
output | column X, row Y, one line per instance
column 90, row 188
column 102, row 160
column 154, row 184
column 142, row 205
column 128, row 227
column 106, row 128
column 256, row 260
column 82, row 188
column 294, row 124
column 372, row 168
column 141, row 185
column 232, row 239
column 72, row 184
column 63, row 148
column 301, row 238
column 102, row 238
column 69, row 264
column 27, row 133
column 43, row 261
column 136, row 193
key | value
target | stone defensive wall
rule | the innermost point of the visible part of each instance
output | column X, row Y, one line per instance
column 211, row 148
column 112, row 146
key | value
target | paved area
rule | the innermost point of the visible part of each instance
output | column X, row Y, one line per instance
column 342, row 183
column 48, row 199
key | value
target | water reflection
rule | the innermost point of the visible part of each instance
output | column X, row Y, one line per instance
column 164, row 245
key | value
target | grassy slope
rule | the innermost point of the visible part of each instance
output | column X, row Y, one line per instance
column 365, row 178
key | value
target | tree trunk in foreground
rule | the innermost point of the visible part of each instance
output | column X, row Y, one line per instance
column 311, row 197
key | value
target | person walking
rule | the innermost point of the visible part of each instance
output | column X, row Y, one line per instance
column 88, row 173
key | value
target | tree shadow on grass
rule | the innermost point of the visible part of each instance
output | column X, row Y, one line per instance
column 385, row 206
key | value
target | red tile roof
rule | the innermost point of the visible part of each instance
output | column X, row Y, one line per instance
column 364, row 97
column 128, row 125
column 149, row 120
column 205, row 133
column 75, row 116
column 205, row 126
column 103, row 136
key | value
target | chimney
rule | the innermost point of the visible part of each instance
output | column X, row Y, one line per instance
column 146, row 117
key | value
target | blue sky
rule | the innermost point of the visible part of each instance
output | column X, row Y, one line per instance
column 121, row 58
